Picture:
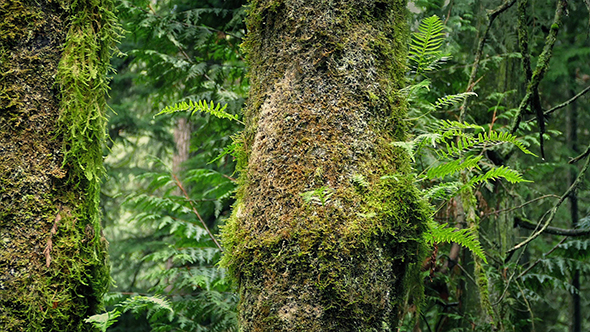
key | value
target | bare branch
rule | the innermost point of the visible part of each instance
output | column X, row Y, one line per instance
column 525, row 223
column 181, row 187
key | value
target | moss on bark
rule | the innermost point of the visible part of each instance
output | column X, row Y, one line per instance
column 53, row 268
column 328, row 223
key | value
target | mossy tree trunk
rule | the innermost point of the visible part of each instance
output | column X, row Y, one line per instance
column 54, row 56
column 327, row 226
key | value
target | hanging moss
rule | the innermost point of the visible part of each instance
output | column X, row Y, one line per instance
column 55, row 55
column 310, row 250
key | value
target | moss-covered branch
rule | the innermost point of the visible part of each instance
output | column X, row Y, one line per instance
column 531, row 98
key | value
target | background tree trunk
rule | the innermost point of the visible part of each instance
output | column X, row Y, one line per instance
column 571, row 131
column 328, row 223
column 53, row 61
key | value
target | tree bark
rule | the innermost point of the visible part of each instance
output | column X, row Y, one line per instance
column 53, row 61
column 327, row 225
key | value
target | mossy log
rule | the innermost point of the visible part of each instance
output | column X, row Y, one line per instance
column 54, row 56
column 327, row 224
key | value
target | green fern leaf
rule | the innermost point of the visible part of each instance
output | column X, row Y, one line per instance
column 452, row 99
column 200, row 106
column 453, row 167
column 103, row 321
column 510, row 175
column 425, row 45
column 442, row 191
column 464, row 237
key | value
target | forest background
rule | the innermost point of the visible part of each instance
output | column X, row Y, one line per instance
column 171, row 177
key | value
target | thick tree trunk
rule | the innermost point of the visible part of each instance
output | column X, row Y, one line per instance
column 327, row 225
column 53, row 58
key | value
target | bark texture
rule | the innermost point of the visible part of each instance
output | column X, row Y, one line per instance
column 327, row 226
column 53, row 269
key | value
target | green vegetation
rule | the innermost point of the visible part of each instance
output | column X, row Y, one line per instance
column 237, row 188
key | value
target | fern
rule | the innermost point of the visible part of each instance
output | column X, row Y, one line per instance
column 464, row 237
column 200, row 106
column 156, row 306
column 442, row 126
column 510, row 175
column 453, row 167
column 535, row 280
column 407, row 146
column 442, row 191
column 425, row 45
column 103, row 321
column 466, row 142
column 449, row 100
column 320, row 196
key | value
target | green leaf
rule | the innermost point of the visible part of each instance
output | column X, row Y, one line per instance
column 200, row 106
column 464, row 237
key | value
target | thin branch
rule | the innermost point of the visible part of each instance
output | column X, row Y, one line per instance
column 564, row 104
column 525, row 223
column 179, row 184
column 582, row 156
column 528, row 306
column 467, row 274
column 551, row 213
column 491, row 17
column 540, row 259
column 521, row 206
column 228, row 177
column 425, row 321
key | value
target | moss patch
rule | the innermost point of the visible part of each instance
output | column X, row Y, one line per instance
column 323, row 112
column 53, row 269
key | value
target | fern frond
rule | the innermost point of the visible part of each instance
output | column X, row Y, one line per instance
column 452, row 167
column 228, row 150
column 464, row 237
column 450, row 100
column 103, row 321
column 412, row 89
column 425, row 45
column 550, row 282
column 407, row 146
column 200, row 106
column 510, row 175
column 442, row 191
column 446, row 125
column 156, row 306
column 467, row 142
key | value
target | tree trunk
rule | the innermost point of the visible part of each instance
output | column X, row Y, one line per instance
column 571, row 119
column 53, row 62
column 327, row 226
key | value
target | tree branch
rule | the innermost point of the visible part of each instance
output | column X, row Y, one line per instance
column 180, row 186
column 551, row 213
column 531, row 97
column 528, row 224
column 564, row 104
column 491, row 17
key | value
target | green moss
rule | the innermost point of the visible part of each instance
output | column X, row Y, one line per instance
column 19, row 21
column 53, row 269
column 324, row 109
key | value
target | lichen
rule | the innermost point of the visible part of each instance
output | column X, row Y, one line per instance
column 324, row 96
column 53, row 269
